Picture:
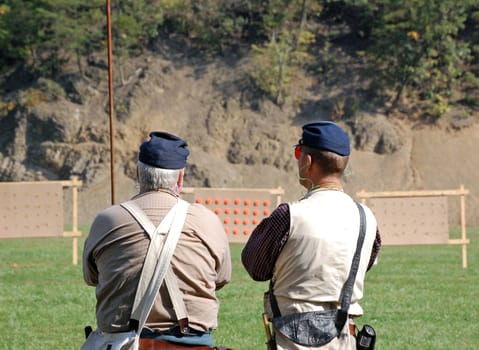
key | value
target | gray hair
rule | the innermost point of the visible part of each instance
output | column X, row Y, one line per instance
column 152, row 179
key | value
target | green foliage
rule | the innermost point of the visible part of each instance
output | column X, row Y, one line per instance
column 277, row 62
column 32, row 97
column 285, row 54
column 46, row 34
column 76, row 25
column 210, row 24
column 134, row 23
column 420, row 50
column 42, row 34
column 45, row 90
column 435, row 106
column 415, row 48
column 51, row 89
column 17, row 29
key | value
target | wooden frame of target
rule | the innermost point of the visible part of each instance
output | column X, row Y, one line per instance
column 240, row 210
column 417, row 217
column 35, row 209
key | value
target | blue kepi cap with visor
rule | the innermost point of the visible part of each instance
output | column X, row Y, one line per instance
column 164, row 150
column 326, row 135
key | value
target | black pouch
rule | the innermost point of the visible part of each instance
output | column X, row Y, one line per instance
column 313, row 328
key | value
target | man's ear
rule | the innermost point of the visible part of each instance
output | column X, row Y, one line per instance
column 179, row 183
column 309, row 160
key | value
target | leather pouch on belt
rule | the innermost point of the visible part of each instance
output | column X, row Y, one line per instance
column 311, row 329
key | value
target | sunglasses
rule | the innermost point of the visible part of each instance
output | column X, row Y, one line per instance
column 297, row 151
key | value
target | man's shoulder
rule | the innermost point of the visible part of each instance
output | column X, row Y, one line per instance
column 110, row 215
column 109, row 211
column 205, row 221
column 196, row 208
column 203, row 214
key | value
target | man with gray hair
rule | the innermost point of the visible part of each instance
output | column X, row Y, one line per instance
column 117, row 245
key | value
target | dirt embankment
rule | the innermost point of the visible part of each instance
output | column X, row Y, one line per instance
column 235, row 138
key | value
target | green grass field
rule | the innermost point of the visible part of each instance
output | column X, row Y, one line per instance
column 417, row 297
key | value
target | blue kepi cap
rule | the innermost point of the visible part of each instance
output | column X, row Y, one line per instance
column 164, row 150
column 326, row 135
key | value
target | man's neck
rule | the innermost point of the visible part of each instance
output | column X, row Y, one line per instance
column 327, row 186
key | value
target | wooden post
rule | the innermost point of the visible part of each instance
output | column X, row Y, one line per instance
column 278, row 193
column 75, row 219
column 463, row 228
column 74, row 183
column 362, row 195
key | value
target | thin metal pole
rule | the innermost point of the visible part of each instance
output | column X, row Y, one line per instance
column 110, row 103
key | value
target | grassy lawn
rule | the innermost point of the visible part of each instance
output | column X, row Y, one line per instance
column 417, row 297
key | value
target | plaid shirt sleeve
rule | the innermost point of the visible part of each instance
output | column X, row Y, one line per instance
column 265, row 244
column 375, row 251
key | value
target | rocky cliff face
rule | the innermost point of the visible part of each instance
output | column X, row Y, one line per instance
column 236, row 138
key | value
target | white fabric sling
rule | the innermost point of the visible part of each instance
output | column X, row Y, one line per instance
column 153, row 272
column 155, row 268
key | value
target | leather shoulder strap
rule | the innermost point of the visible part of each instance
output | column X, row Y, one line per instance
column 347, row 291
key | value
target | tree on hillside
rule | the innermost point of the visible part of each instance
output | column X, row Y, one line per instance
column 416, row 52
column 283, row 56
column 43, row 34
column 74, row 30
column 18, row 32
column 134, row 24
column 211, row 25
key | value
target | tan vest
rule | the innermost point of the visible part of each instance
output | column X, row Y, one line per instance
column 315, row 262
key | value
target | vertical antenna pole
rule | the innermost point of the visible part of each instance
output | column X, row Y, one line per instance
column 110, row 103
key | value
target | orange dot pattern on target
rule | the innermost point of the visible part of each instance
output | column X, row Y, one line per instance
column 239, row 215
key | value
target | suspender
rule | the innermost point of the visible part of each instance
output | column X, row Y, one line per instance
column 347, row 290
column 157, row 263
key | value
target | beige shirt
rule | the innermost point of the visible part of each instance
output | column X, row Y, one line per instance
column 115, row 250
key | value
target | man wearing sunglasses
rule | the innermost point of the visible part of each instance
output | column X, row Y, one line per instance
column 305, row 248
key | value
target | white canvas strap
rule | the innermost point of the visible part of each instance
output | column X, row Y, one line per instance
column 157, row 261
column 176, row 298
column 142, row 218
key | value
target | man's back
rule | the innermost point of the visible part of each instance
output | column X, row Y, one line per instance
column 114, row 254
column 316, row 260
